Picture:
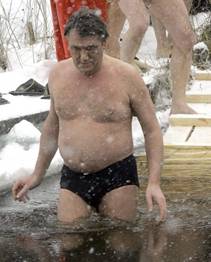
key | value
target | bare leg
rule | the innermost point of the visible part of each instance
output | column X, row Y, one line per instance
column 120, row 203
column 138, row 20
column 188, row 4
column 115, row 24
column 174, row 17
column 180, row 70
column 71, row 207
column 164, row 42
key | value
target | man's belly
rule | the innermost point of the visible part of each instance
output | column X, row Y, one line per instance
column 91, row 146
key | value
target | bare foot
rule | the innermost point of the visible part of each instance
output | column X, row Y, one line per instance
column 182, row 109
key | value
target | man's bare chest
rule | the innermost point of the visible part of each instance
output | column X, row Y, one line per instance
column 101, row 103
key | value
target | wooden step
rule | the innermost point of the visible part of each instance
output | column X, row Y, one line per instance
column 190, row 120
column 185, row 161
column 203, row 76
column 188, row 148
column 190, row 158
column 186, row 156
column 183, row 152
column 186, row 169
column 198, row 98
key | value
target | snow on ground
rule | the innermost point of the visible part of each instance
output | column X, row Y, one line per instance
column 23, row 106
column 200, row 20
column 12, row 79
column 15, row 18
column 200, row 87
column 18, row 156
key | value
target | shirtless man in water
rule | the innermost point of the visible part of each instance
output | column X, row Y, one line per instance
column 93, row 99
column 174, row 17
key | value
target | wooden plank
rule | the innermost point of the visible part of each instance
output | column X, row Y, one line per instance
column 183, row 163
column 175, row 172
column 187, row 173
column 190, row 120
column 203, row 76
column 198, row 98
column 189, row 165
column 197, row 173
column 185, row 155
column 188, row 148
column 177, row 154
column 179, row 168
column 187, row 161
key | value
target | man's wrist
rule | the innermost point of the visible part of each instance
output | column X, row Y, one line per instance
column 37, row 179
column 154, row 180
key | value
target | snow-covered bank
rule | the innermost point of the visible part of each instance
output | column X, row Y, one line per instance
column 19, row 153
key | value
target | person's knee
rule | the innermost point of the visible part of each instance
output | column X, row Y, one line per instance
column 139, row 27
column 71, row 207
column 189, row 41
column 186, row 42
column 120, row 203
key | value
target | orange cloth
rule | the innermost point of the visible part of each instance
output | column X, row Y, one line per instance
column 61, row 11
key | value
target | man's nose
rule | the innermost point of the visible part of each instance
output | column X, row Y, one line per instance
column 84, row 55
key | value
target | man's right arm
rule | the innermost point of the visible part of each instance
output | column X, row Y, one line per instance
column 47, row 149
column 142, row 105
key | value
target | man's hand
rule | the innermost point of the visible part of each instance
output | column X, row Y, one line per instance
column 155, row 193
column 22, row 186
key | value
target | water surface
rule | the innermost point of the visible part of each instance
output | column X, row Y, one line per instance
column 30, row 232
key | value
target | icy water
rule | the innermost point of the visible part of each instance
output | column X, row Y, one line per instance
column 30, row 232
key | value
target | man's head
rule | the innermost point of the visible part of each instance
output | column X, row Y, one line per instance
column 86, row 34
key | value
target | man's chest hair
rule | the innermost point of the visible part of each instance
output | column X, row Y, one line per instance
column 99, row 103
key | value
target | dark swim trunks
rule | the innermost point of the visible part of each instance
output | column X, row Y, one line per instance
column 92, row 187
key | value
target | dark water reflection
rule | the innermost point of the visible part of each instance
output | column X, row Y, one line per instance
column 151, row 244
column 31, row 232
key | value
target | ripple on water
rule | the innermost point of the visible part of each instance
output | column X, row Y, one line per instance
column 32, row 233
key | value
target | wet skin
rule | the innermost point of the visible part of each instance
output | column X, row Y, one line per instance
column 93, row 98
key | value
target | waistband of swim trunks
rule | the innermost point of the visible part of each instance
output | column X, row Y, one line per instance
column 113, row 165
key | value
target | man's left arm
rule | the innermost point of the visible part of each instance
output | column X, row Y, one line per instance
column 143, row 107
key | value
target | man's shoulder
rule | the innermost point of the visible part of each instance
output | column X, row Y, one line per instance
column 121, row 66
column 62, row 65
column 126, row 73
column 60, row 71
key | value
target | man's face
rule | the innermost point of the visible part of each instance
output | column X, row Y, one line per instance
column 87, row 52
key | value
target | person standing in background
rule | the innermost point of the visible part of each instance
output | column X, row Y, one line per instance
column 173, row 16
